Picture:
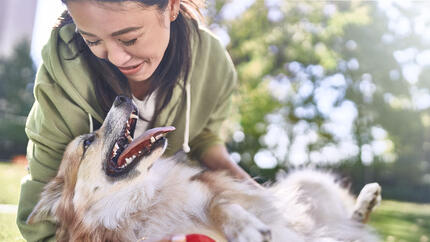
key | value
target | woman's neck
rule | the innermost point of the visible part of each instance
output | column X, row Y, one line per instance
column 139, row 89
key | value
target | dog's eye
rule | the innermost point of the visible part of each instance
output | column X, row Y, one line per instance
column 88, row 141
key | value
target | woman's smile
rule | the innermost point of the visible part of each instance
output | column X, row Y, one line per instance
column 131, row 70
column 135, row 39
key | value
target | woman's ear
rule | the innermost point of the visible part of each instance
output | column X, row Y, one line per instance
column 174, row 7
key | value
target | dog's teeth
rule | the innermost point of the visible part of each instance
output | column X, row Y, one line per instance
column 129, row 160
column 152, row 139
column 159, row 136
column 140, row 152
column 130, row 139
column 134, row 116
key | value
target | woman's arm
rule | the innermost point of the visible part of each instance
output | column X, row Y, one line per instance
column 217, row 157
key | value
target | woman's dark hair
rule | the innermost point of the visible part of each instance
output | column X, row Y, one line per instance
column 175, row 65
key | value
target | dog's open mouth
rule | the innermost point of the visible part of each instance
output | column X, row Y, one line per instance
column 127, row 150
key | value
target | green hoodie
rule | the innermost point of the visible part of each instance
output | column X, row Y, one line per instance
column 65, row 102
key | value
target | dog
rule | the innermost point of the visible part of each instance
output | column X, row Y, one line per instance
column 112, row 186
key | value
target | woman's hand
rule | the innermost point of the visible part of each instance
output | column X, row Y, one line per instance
column 218, row 158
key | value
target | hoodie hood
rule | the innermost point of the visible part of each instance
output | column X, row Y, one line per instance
column 69, row 70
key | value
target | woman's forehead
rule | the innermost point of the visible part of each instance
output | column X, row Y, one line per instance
column 109, row 17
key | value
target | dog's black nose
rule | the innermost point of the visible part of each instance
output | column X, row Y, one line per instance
column 119, row 100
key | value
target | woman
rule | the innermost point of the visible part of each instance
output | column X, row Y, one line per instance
column 154, row 51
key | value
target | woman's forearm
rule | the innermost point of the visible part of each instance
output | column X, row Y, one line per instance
column 218, row 158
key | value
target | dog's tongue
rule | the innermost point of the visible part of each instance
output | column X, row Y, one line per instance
column 142, row 142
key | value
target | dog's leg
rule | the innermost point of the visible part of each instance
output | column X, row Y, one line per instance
column 237, row 224
column 369, row 197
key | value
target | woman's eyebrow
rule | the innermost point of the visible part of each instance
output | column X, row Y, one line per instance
column 126, row 30
column 116, row 33
column 86, row 33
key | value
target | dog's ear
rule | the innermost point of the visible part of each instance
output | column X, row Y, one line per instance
column 49, row 201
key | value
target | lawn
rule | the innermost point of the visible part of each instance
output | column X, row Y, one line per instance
column 394, row 221
column 10, row 177
column 400, row 221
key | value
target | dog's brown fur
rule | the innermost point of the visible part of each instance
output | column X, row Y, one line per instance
column 162, row 196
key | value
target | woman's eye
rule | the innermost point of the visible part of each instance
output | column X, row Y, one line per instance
column 88, row 141
column 92, row 43
column 128, row 43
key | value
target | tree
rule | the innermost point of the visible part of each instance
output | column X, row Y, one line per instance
column 16, row 83
column 320, row 84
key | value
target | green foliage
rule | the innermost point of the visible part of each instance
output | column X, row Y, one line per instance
column 304, row 35
column 17, row 74
column 16, row 83
column 389, row 107
column 13, row 140
column 292, row 56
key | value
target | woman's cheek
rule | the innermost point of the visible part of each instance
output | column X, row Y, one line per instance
column 98, row 51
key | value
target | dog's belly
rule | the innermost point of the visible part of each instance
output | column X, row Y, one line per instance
column 156, row 230
column 179, row 205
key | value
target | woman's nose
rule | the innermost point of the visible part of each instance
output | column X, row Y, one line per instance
column 117, row 55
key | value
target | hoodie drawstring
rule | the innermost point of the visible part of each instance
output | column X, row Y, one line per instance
column 91, row 122
column 185, row 145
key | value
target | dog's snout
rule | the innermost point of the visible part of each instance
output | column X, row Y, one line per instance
column 119, row 100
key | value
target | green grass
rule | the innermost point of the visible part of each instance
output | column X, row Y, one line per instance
column 8, row 229
column 394, row 221
column 400, row 221
column 10, row 180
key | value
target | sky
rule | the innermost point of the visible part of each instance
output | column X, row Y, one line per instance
column 47, row 13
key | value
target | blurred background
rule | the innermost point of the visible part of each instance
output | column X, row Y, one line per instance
column 341, row 85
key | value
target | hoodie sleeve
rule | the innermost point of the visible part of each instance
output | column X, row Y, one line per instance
column 52, row 123
column 221, row 82
column 46, row 144
column 224, row 103
column 59, row 114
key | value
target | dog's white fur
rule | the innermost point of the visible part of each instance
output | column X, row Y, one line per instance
column 163, row 196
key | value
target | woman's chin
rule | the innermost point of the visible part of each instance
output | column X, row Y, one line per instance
column 144, row 72
column 139, row 77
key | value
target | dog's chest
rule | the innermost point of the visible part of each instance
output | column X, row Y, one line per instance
column 176, row 204
column 170, row 217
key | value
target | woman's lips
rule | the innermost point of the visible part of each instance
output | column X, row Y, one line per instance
column 130, row 70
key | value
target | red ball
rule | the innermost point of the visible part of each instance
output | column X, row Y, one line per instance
column 198, row 238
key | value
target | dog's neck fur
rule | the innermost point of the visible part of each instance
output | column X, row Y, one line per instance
column 144, row 193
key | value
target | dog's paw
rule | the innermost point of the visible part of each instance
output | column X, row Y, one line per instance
column 251, row 231
column 242, row 226
column 369, row 197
